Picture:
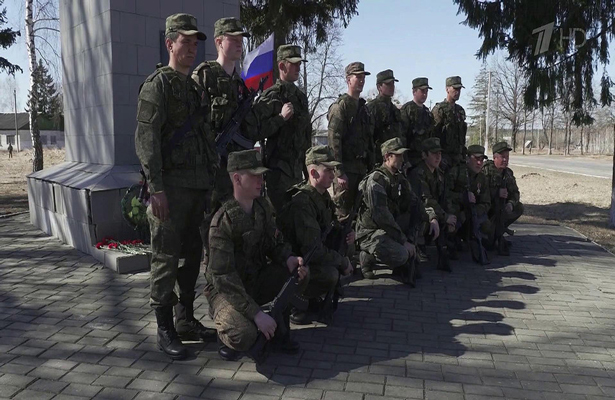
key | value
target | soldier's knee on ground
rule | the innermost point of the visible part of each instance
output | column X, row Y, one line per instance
column 234, row 329
column 393, row 257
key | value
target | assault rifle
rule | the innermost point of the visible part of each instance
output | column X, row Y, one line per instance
column 479, row 254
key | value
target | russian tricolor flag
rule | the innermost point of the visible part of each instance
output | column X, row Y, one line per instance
column 258, row 64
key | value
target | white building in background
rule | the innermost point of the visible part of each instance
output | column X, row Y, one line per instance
column 50, row 137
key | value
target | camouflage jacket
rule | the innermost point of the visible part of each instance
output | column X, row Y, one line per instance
column 225, row 92
column 450, row 127
column 303, row 221
column 494, row 177
column 417, row 125
column 456, row 182
column 389, row 204
column 287, row 141
column 240, row 245
column 351, row 133
column 432, row 189
column 387, row 121
column 168, row 100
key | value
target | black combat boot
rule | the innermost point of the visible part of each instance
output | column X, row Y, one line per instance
column 298, row 317
column 168, row 340
column 368, row 262
column 188, row 327
column 226, row 353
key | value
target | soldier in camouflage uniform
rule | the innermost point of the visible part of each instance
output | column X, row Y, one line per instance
column 179, row 165
column 451, row 126
column 225, row 90
column 432, row 184
column 386, row 223
column 308, row 215
column 495, row 171
column 351, row 138
column 282, row 111
column 457, row 183
column 248, row 262
column 417, row 120
column 386, row 115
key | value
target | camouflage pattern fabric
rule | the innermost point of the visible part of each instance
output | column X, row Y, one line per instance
column 387, row 122
column 494, row 177
column 287, row 141
column 432, row 186
column 456, row 180
column 450, row 128
column 246, row 269
column 417, row 125
column 303, row 221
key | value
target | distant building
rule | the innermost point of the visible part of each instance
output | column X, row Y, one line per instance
column 52, row 134
column 320, row 137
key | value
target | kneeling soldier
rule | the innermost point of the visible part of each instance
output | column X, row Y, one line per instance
column 308, row 219
column 468, row 185
column 505, row 205
column 248, row 262
column 389, row 216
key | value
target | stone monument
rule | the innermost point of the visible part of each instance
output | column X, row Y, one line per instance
column 109, row 47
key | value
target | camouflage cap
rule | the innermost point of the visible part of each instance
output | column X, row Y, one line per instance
column 500, row 147
column 431, row 145
column 395, row 146
column 421, row 83
column 454, row 81
column 385, row 76
column 184, row 24
column 321, row 155
column 477, row 150
column 290, row 53
column 229, row 26
column 248, row 160
column 356, row 68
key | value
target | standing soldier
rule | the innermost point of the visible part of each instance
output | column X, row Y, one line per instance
column 460, row 198
column 504, row 189
column 179, row 162
column 248, row 264
column 282, row 111
column 309, row 214
column 417, row 120
column 351, row 138
column 225, row 91
column 10, row 149
column 451, row 126
column 386, row 115
column 389, row 215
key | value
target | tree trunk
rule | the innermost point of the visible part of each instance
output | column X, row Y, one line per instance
column 513, row 138
column 587, row 141
column 582, row 126
column 551, row 136
column 524, row 135
column 612, row 214
column 37, row 159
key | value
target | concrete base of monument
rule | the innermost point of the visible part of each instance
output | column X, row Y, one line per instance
column 79, row 203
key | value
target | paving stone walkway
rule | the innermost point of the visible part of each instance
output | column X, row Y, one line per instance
column 536, row 325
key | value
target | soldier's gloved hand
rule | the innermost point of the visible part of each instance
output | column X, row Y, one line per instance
column 451, row 219
column 160, row 205
column 265, row 324
column 350, row 237
column 471, row 198
column 504, row 193
column 343, row 181
column 347, row 265
column 297, row 262
column 287, row 111
column 509, row 208
column 434, row 228
column 411, row 250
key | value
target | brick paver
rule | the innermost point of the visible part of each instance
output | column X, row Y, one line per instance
column 536, row 325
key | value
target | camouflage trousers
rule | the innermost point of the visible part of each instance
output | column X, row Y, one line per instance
column 278, row 182
column 450, row 160
column 344, row 198
column 386, row 250
column 177, row 237
column 223, row 189
column 509, row 218
column 323, row 279
column 234, row 329
column 464, row 226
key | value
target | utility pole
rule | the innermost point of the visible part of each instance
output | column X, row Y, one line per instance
column 487, row 119
column 16, row 127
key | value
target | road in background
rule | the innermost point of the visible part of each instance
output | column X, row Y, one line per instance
column 598, row 168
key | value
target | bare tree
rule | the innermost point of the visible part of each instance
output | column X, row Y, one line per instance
column 42, row 27
column 511, row 84
column 322, row 78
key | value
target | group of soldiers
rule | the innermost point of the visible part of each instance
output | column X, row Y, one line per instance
column 390, row 182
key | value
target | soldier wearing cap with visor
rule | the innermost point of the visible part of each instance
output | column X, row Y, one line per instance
column 450, row 125
column 417, row 120
column 386, row 115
